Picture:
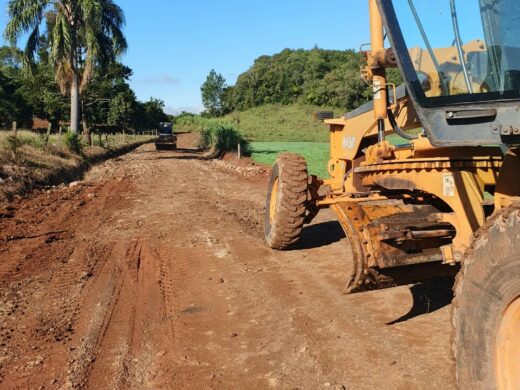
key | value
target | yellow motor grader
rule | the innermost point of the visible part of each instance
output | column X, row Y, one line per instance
column 425, row 179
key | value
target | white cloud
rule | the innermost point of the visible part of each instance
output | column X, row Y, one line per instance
column 164, row 79
column 178, row 110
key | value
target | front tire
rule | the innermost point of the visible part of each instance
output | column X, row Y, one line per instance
column 486, row 313
column 286, row 203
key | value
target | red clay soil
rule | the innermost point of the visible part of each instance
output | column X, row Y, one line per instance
column 152, row 273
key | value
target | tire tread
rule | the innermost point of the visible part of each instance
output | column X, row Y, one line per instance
column 290, row 213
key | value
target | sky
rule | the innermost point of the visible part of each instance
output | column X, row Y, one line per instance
column 173, row 44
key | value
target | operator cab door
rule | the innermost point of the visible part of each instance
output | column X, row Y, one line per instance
column 461, row 64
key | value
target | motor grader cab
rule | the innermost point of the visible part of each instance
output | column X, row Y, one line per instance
column 444, row 198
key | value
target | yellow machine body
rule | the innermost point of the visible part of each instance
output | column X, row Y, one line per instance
column 412, row 204
column 425, row 180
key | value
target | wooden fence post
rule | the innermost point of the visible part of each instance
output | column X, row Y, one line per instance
column 48, row 134
column 15, row 129
column 86, row 133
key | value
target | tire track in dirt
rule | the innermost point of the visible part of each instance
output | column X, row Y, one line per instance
column 43, row 278
column 168, row 292
column 100, row 301
column 136, row 348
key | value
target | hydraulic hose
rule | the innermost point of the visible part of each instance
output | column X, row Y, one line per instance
column 400, row 132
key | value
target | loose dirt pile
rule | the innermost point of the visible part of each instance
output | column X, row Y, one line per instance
column 152, row 274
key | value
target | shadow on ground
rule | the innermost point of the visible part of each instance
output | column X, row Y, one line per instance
column 190, row 156
column 428, row 297
column 174, row 154
column 178, row 150
column 320, row 234
column 267, row 151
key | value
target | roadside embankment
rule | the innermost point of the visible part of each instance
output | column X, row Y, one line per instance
column 28, row 160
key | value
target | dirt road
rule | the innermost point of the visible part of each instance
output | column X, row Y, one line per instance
column 152, row 274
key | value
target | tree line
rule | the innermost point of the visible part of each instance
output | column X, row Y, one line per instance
column 328, row 78
column 69, row 70
column 108, row 100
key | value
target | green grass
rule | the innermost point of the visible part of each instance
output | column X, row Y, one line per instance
column 190, row 124
column 27, row 137
column 281, row 123
column 275, row 128
column 269, row 123
column 275, row 123
column 37, row 141
column 222, row 137
column 316, row 154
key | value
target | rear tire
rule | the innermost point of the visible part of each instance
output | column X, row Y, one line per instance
column 486, row 309
column 286, row 204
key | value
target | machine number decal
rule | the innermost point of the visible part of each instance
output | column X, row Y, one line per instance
column 448, row 184
column 349, row 142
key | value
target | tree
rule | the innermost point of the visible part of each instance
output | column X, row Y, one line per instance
column 14, row 105
column 329, row 78
column 227, row 100
column 42, row 93
column 104, row 91
column 213, row 91
column 152, row 113
column 11, row 59
column 122, row 109
column 82, row 35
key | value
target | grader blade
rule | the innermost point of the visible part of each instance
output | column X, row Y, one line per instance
column 393, row 243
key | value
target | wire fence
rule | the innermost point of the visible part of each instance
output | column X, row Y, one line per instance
column 93, row 131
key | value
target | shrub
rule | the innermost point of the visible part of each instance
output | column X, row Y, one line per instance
column 222, row 138
column 205, row 139
column 73, row 142
column 13, row 143
column 228, row 138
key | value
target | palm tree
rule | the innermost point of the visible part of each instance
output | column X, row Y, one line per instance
column 82, row 34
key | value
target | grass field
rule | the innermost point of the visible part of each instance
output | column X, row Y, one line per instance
column 281, row 123
column 316, row 154
column 37, row 141
column 273, row 129
column 269, row 123
column 275, row 123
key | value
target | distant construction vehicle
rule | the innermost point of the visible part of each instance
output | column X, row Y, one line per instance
column 443, row 198
column 167, row 140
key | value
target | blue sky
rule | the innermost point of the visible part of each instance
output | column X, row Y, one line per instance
column 173, row 44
